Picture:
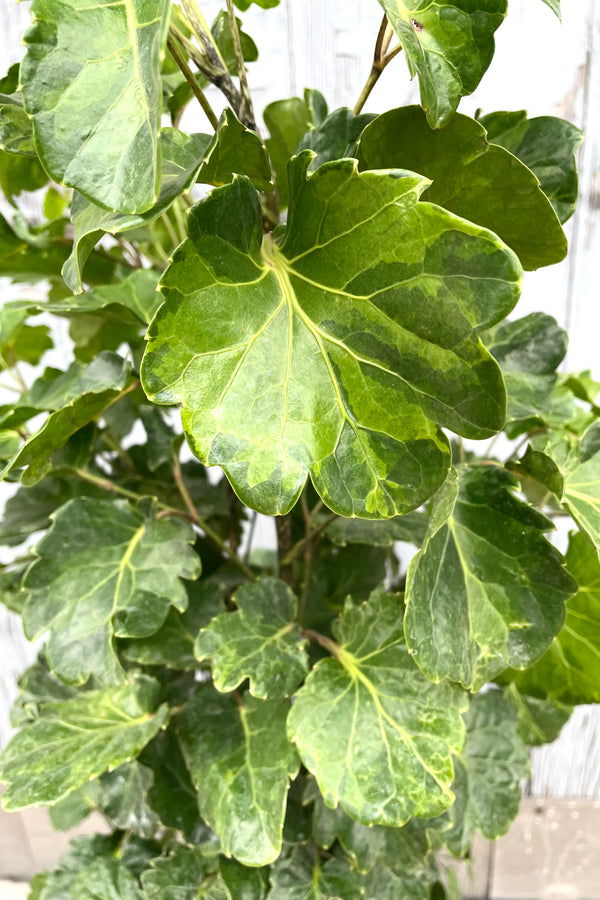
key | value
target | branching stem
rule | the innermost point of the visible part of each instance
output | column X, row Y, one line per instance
column 381, row 58
column 189, row 77
column 246, row 113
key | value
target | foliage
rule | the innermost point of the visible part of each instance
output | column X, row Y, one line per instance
column 327, row 307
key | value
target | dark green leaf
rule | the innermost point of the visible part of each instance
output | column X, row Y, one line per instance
column 240, row 761
column 347, row 326
column 173, row 644
column 265, row 4
column 487, row 590
column 123, row 799
column 395, row 732
column 303, row 876
column 287, row 121
column 173, row 796
column 187, row 874
column 12, row 594
column 472, row 178
column 78, row 739
column 449, row 44
column 539, row 721
column 38, row 687
column 96, row 103
column 75, row 807
column 547, row 146
column 100, row 384
column 335, row 137
column 259, row 641
column 20, row 173
column 10, row 82
column 16, row 131
column 488, row 773
column 242, row 882
column 542, row 468
column 182, row 156
column 410, row 528
column 569, row 671
column 104, row 569
column 19, row 341
column 21, row 261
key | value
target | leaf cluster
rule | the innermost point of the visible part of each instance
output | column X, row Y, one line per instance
column 322, row 314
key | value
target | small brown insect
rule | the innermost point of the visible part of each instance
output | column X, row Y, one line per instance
column 418, row 26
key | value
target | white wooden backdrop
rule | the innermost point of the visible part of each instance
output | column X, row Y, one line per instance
column 540, row 65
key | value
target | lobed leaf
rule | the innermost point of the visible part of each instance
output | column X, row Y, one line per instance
column 240, row 761
column 471, row 177
column 303, row 876
column 259, row 641
column 91, row 83
column 78, row 739
column 349, row 341
column 104, row 570
column 487, row 590
column 395, row 732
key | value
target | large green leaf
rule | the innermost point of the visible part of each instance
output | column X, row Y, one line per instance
column 173, row 796
column 259, row 641
column 241, row 761
column 133, row 300
column 104, row 570
column 488, row 773
column 569, row 671
column 449, row 44
column 346, row 345
column 79, row 739
column 547, row 146
column 395, row 732
column 93, row 390
column 92, row 867
column 335, row 137
column 91, row 82
column 529, row 351
column 487, row 590
column 472, row 178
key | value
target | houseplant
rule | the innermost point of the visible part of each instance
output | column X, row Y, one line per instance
column 332, row 319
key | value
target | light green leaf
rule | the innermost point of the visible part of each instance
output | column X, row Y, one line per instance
column 187, row 874
column 472, row 178
column 38, row 687
column 582, row 488
column 259, row 641
column 488, row 773
column 16, row 131
column 265, row 4
column 100, row 385
column 240, row 761
column 19, row 174
column 395, row 732
column 449, row 44
column 554, row 6
column 569, row 671
column 19, row 260
column 529, row 351
column 539, row 721
column 242, row 882
column 221, row 32
column 303, row 876
column 542, row 468
column 182, row 156
column 132, row 300
column 333, row 361
column 79, row 739
column 96, row 104
column 487, row 590
column 287, row 121
column 104, row 570
column 335, row 137
column 547, row 145
column 236, row 149
column 73, row 809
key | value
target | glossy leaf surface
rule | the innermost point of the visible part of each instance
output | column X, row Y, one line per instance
column 547, row 145
column 569, row 671
column 471, row 177
column 240, row 760
column 334, row 360
column 91, row 82
column 487, row 590
column 394, row 731
column 335, row 137
column 104, row 570
column 449, row 44
column 303, row 876
column 488, row 773
column 78, row 739
column 259, row 641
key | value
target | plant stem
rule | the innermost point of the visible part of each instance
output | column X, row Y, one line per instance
column 170, row 230
column 308, row 557
column 189, row 77
column 381, row 58
column 246, row 108
column 321, row 639
column 213, row 69
column 283, row 526
column 295, row 550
